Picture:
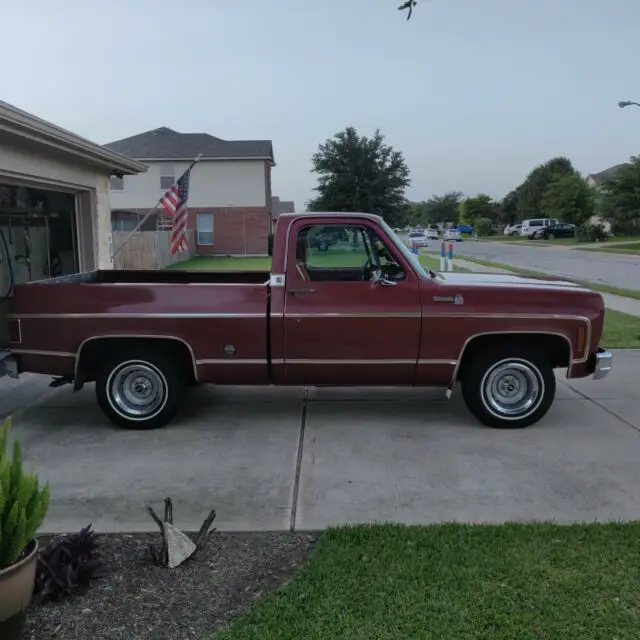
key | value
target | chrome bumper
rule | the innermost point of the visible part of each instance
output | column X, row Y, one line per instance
column 604, row 363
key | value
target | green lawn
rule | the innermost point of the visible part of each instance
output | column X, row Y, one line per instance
column 626, row 249
column 621, row 331
column 328, row 259
column 458, row 582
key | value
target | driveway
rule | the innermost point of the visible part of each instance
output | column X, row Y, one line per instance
column 272, row 459
column 615, row 270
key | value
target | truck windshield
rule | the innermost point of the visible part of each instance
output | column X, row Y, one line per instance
column 410, row 257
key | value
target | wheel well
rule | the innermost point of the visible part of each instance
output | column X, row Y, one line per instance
column 554, row 346
column 95, row 351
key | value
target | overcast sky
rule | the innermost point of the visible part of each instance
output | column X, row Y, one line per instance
column 474, row 92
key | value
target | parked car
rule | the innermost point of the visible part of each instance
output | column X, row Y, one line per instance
column 372, row 316
column 533, row 224
column 465, row 228
column 452, row 234
column 513, row 230
column 432, row 234
column 418, row 238
column 560, row 230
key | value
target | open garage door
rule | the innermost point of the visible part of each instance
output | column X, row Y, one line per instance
column 39, row 239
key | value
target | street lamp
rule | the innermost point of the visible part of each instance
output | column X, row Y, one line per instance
column 628, row 103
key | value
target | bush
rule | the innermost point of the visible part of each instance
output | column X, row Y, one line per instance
column 23, row 505
column 483, row 226
column 68, row 564
column 591, row 233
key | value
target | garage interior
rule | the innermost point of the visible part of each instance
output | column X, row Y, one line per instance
column 40, row 232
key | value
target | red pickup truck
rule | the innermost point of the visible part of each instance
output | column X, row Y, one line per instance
column 361, row 312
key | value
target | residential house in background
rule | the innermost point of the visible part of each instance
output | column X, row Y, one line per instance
column 596, row 180
column 279, row 207
column 229, row 194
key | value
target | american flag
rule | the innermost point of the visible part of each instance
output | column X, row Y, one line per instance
column 175, row 202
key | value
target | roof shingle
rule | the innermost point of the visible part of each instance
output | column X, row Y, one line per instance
column 165, row 143
column 606, row 174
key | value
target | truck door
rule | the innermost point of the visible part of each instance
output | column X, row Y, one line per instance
column 352, row 307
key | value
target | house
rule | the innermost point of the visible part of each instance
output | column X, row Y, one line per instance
column 229, row 192
column 280, row 206
column 54, row 198
column 598, row 179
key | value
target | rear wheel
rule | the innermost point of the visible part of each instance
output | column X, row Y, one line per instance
column 140, row 389
column 509, row 388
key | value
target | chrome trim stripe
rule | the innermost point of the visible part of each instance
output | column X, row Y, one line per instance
column 178, row 284
column 491, row 333
column 38, row 352
column 134, row 335
column 232, row 360
column 86, row 316
column 375, row 314
column 365, row 361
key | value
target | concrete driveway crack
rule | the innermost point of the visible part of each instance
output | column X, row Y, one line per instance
column 296, row 479
column 609, row 411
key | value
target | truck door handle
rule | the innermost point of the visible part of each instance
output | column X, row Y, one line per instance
column 295, row 292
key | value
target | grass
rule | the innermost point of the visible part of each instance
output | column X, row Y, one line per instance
column 462, row 582
column 627, row 249
column 263, row 263
column 621, row 331
column 596, row 286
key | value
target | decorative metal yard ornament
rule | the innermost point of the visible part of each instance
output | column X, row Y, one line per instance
column 177, row 546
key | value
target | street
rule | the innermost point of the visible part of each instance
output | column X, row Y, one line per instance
column 281, row 458
column 615, row 270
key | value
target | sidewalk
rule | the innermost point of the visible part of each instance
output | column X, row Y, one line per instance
column 611, row 301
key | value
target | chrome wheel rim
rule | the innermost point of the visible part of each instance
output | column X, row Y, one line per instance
column 137, row 390
column 512, row 389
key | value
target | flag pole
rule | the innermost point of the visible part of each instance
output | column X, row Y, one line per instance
column 151, row 212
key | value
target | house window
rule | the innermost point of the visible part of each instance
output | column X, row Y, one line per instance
column 167, row 176
column 204, row 229
column 116, row 183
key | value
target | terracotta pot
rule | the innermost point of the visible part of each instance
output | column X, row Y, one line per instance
column 16, row 588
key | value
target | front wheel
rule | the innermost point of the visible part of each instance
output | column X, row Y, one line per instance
column 509, row 388
column 140, row 389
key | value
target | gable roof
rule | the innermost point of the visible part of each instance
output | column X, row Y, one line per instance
column 279, row 207
column 167, row 144
column 607, row 174
column 27, row 126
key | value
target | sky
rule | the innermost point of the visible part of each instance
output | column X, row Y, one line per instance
column 475, row 93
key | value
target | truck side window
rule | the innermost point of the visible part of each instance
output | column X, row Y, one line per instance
column 343, row 253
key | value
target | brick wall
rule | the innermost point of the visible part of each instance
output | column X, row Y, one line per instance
column 236, row 230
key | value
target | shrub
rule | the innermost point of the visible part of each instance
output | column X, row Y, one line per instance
column 591, row 233
column 483, row 226
column 23, row 505
column 68, row 564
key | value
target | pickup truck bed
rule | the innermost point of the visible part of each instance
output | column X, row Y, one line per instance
column 361, row 312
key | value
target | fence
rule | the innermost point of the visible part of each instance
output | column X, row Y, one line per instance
column 148, row 250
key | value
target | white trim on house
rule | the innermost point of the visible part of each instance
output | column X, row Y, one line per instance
column 26, row 125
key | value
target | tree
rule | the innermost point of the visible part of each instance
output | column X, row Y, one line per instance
column 508, row 209
column 568, row 198
column 361, row 174
column 532, row 190
column 619, row 200
column 481, row 206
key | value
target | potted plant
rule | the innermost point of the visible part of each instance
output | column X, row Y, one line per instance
column 23, row 506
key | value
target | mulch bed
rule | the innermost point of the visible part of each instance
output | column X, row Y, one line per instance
column 138, row 600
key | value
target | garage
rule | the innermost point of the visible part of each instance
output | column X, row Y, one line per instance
column 55, row 215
